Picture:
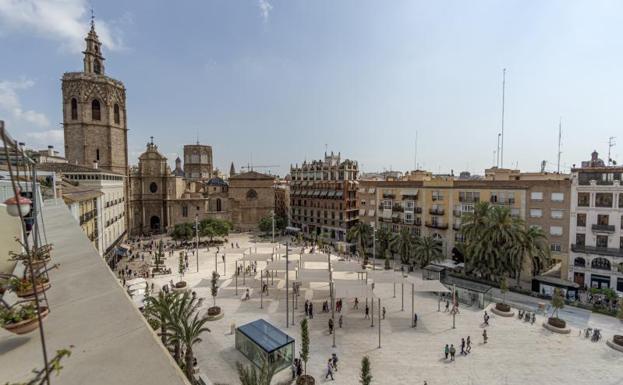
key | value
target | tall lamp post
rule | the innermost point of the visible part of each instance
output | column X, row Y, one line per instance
column 272, row 213
column 197, row 241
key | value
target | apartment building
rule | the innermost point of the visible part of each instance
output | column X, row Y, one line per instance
column 434, row 205
column 323, row 197
column 596, row 258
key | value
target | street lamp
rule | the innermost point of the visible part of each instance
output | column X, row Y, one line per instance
column 15, row 206
column 197, row 241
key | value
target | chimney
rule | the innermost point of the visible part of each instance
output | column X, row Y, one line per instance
column 95, row 165
column 50, row 150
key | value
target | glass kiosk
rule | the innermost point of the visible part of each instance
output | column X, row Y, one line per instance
column 259, row 341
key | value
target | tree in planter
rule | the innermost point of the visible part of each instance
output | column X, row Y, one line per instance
column 558, row 302
column 365, row 377
column 214, row 286
column 159, row 256
column 403, row 245
column 387, row 256
column 183, row 232
column 503, row 289
column 304, row 343
column 181, row 266
column 361, row 234
column 159, row 308
column 427, row 250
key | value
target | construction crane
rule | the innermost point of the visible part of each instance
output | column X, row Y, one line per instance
column 251, row 167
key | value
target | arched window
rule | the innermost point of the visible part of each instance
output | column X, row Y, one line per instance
column 218, row 204
column 74, row 109
column 251, row 194
column 116, row 113
column 97, row 154
column 600, row 263
column 153, row 187
column 620, row 267
column 579, row 262
column 97, row 68
column 95, row 110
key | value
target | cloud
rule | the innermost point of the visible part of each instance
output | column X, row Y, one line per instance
column 65, row 21
column 9, row 102
column 45, row 138
column 265, row 9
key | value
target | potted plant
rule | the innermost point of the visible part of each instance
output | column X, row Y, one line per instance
column 214, row 312
column 38, row 256
column 365, row 376
column 305, row 379
column 23, row 286
column 502, row 308
column 181, row 268
column 554, row 323
column 21, row 319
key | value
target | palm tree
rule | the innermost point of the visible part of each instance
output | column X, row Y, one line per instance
column 427, row 250
column 383, row 241
column 183, row 308
column 188, row 333
column 532, row 243
column 159, row 308
column 361, row 234
column 264, row 376
column 403, row 244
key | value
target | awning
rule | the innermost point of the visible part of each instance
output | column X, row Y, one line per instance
column 256, row 257
column 339, row 194
column 344, row 266
column 362, row 212
column 351, row 288
column 324, row 193
column 395, row 215
column 431, row 286
column 371, row 190
column 386, row 276
column 313, row 275
column 280, row 265
column 331, row 194
column 371, row 212
column 314, row 257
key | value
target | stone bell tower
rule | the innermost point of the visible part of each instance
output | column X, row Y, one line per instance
column 94, row 113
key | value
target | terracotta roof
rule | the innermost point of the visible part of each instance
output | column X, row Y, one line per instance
column 252, row 175
column 68, row 167
column 73, row 193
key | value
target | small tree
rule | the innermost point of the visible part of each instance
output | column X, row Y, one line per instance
column 214, row 285
column 387, row 255
column 558, row 302
column 304, row 343
column 620, row 312
column 159, row 255
column 365, row 378
column 181, row 265
column 503, row 288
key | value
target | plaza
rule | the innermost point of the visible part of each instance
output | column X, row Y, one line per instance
column 517, row 352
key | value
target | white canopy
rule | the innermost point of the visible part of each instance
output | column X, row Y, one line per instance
column 313, row 275
column 349, row 288
column 291, row 250
column 431, row 285
column 344, row 266
column 386, row 276
column 280, row 265
column 314, row 257
column 232, row 251
column 261, row 257
column 135, row 281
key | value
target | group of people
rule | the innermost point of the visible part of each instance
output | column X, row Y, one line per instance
column 466, row 348
column 331, row 366
column 309, row 309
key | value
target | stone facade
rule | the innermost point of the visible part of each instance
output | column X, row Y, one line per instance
column 198, row 163
column 252, row 197
column 94, row 114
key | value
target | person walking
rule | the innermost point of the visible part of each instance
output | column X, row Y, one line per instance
column 414, row 320
column 486, row 318
column 339, row 321
column 329, row 371
column 334, row 361
column 452, row 352
column 330, row 325
column 446, row 351
column 463, row 347
column 367, row 316
column 356, row 304
column 484, row 336
column 447, row 306
column 384, row 311
column 306, row 308
column 468, row 349
column 311, row 310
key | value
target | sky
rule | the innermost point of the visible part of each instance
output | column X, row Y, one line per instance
column 270, row 82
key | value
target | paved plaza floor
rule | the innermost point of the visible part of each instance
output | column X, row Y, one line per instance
column 516, row 353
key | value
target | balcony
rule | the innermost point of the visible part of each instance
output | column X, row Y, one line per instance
column 437, row 225
column 456, row 227
column 418, row 210
column 603, row 228
column 611, row 252
column 456, row 213
column 436, row 211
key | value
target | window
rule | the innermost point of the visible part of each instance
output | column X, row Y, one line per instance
column 469, row 196
column 97, row 67
column 536, row 196
column 602, row 219
column 74, row 109
column 184, row 211
column 555, row 247
column 621, row 243
column 409, row 205
column 116, row 113
column 603, row 200
column 602, row 241
column 153, row 187
column 218, row 204
column 95, row 110
column 621, row 200
column 387, row 204
column 600, row 263
column 409, row 217
column 437, row 195
column 555, row 230
column 579, row 262
column 581, row 220
column 557, row 214
column 251, row 194
column 536, row 213
column 580, row 239
column 97, row 154
column 620, row 281
column 584, row 199
column 558, row 197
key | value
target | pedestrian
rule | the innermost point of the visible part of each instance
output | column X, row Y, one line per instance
column 468, row 349
column 486, row 318
column 293, row 368
column 452, row 352
column 334, row 360
column 484, row 336
column 414, row 320
column 329, row 371
column 384, row 311
column 306, row 307
column 299, row 367
column 223, row 258
column 367, row 316
column 446, row 351
column 311, row 310
column 330, row 325
column 356, row 304
column 339, row 321
column 447, row 306
column 463, row 346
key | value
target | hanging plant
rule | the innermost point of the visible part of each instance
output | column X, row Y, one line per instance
column 23, row 286
column 21, row 319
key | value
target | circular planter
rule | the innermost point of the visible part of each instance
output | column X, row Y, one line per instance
column 38, row 264
column 502, row 310
column 180, row 286
column 305, row 379
column 215, row 313
column 27, row 326
column 556, row 325
column 30, row 292
column 616, row 343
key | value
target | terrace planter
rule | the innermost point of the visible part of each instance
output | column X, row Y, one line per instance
column 556, row 325
column 30, row 292
column 38, row 263
column 180, row 286
column 26, row 326
column 215, row 313
column 502, row 310
column 305, row 379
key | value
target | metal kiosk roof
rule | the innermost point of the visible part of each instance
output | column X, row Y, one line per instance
column 265, row 335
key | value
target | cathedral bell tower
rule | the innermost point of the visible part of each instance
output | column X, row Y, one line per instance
column 94, row 113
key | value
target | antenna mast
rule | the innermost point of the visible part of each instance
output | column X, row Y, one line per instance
column 502, row 134
column 611, row 143
column 559, row 140
column 415, row 156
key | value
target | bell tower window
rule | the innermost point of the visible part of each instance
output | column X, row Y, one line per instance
column 74, row 109
column 95, row 110
column 97, row 68
column 116, row 113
